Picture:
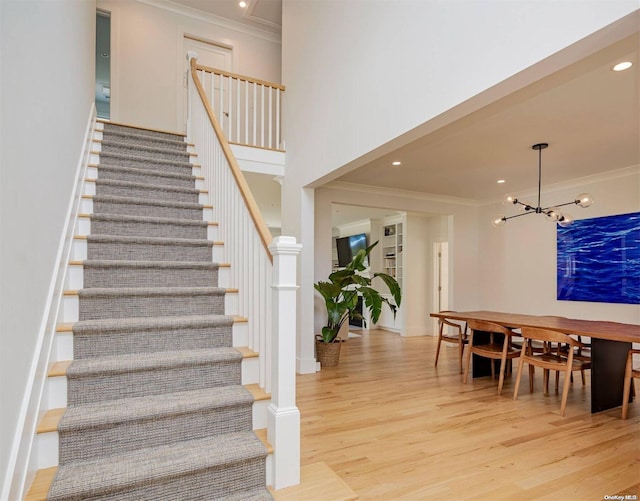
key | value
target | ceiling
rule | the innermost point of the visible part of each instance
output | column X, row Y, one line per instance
column 265, row 14
column 587, row 113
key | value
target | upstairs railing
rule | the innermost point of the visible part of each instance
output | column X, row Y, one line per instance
column 264, row 273
column 248, row 110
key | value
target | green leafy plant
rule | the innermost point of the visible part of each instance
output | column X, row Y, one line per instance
column 341, row 291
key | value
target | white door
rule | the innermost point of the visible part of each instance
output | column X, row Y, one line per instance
column 210, row 54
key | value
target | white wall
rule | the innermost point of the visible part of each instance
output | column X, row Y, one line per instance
column 46, row 94
column 147, row 61
column 357, row 77
column 518, row 260
column 427, row 216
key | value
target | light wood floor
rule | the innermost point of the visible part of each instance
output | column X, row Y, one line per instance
column 394, row 427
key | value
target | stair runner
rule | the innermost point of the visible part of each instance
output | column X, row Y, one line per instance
column 156, row 410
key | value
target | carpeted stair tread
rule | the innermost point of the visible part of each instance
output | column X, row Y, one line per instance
column 119, row 158
column 112, row 204
column 106, row 263
column 150, row 291
column 95, row 217
column 137, row 132
column 150, row 323
column 144, row 148
column 253, row 495
column 110, row 337
column 148, row 248
column 149, row 407
column 130, row 136
column 196, row 242
column 133, row 184
column 151, row 361
column 106, row 171
column 147, row 202
column 128, row 302
column 127, row 273
column 148, row 472
column 114, row 187
column 122, row 224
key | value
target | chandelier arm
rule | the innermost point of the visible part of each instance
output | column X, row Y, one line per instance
column 519, row 215
column 560, row 205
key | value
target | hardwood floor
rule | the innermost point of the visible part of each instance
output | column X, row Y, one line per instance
column 394, row 427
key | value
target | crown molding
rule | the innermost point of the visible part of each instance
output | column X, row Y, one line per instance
column 199, row 15
column 576, row 183
column 390, row 192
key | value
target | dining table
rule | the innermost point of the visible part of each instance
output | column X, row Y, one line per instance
column 610, row 344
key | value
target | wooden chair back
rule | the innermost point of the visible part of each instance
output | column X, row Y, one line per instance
column 482, row 325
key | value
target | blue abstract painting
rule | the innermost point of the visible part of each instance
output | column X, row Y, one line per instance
column 599, row 260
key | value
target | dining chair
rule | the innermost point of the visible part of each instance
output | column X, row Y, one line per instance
column 550, row 359
column 629, row 373
column 498, row 348
column 582, row 353
column 459, row 337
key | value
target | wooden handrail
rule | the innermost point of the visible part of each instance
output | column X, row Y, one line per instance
column 245, row 191
column 242, row 78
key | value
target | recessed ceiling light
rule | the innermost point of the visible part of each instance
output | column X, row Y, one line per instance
column 501, row 181
column 623, row 66
column 242, row 3
column 396, row 163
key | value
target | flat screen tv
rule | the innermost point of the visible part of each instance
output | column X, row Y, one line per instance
column 348, row 247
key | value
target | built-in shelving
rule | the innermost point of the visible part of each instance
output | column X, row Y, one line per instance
column 392, row 255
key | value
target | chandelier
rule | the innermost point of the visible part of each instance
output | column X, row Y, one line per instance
column 552, row 213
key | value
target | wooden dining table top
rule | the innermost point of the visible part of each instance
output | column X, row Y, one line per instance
column 612, row 331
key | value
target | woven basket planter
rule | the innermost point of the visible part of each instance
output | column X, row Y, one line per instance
column 328, row 353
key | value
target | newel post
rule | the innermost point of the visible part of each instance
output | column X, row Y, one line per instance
column 190, row 55
column 283, row 428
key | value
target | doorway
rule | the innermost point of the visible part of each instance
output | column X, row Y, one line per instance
column 213, row 55
column 103, row 64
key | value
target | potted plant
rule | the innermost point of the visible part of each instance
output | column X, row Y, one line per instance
column 340, row 294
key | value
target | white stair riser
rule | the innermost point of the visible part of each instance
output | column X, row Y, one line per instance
column 92, row 172
column 86, row 205
column 79, row 249
column 47, row 444
column 250, row 370
column 212, row 232
column 63, row 347
column 203, row 198
column 231, row 304
column 207, row 214
column 94, row 157
column 260, row 408
column 240, row 334
column 75, row 277
column 56, row 388
column 269, row 473
column 89, row 188
column 224, row 276
column 218, row 253
column 97, row 135
column 83, row 226
column 47, row 447
column 70, row 308
column 96, row 147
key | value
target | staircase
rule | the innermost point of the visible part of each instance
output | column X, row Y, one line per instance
column 155, row 406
